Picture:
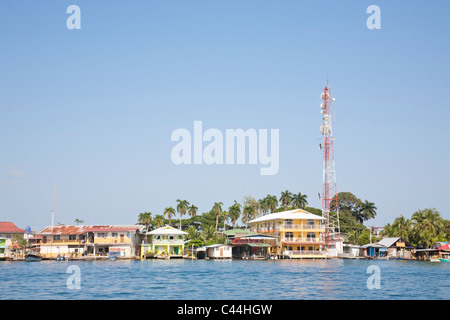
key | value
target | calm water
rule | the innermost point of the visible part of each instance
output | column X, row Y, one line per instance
column 225, row 280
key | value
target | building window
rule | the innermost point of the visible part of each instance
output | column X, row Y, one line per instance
column 57, row 237
column 114, row 234
column 289, row 236
column 310, row 223
column 72, row 237
column 288, row 223
column 101, row 235
column 310, row 236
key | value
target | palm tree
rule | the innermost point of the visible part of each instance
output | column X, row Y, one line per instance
column 208, row 234
column 145, row 219
column 192, row 210
column 248, row 214
column 272, row 202
column 169, row 211
column 299, row 200
column 286, row 198
column 77, row 221
column 217, row 209
column 264, row 205
column 182, row 208
column 402, row 228
column 225, row 216
column 234, row 213
column 367, row 211
column 158, row 221
column 388, row 231
column 428, row 225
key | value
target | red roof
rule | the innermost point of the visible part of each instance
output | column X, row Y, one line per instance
column 64, row 230
column 445, row 247
column 83, row 229
column 113, row 228
column 9, row 227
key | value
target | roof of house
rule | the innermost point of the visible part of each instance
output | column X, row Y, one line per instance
column 10, row 227
column 256, row 236
column 373, row 245
column 79, row 229
column 114, row 228
column 438, row 244
column 217, row 245
column 238, row 232
column 290, row 214
column 389, row 242
column 167, row 230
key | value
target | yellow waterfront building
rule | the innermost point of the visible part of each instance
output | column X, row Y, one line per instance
column 167, row 241
column 300, row 233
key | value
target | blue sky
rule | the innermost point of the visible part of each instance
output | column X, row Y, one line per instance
column 92, row 110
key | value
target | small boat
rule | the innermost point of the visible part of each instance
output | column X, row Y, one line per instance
column 32, row 257
column 434, row 259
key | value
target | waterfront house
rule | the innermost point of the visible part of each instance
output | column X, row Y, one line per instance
column 349, row 251
column 2, row 248
column 300, row 233
column 373, row 250
column 254, row 246
column 218, row 251
column 428, row 253
column 235, row 233
column 397, row 247
column 8, row 230
column 166, row 240
column 90, row 240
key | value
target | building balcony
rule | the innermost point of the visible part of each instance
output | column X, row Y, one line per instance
column 302, row 241
column 168, row 241
column 290, row 227
column 304, row 253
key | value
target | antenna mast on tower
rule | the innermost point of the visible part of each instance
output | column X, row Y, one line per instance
column 329, row 192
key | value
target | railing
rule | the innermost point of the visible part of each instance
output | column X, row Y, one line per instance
column 303, row 240
column 303, row 253
column 300, row 227
column 289, row 227
column 170, row 241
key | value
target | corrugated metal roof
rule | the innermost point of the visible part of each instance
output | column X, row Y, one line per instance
column 387, row 242
column 62, row 229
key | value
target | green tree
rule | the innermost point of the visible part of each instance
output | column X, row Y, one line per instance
column 299, row 200
column 169, row 212
column 402, row 228
column 192, row 210
column 247, row 214
column 428, row 226
column 367, row 211
column 182, row 208
column 217, row 209
column 225, row 216
column 286, row 198
column 145, row 218
column 272, row 202
column 78, row 221
column 234, row 213
column 158, row 221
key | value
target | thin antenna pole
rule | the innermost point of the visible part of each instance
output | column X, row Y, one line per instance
column 53, row 219
column 53, row 206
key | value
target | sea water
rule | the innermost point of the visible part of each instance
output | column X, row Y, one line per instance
column 225, row 279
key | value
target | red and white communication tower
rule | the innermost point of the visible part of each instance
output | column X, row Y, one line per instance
column 329, row 192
